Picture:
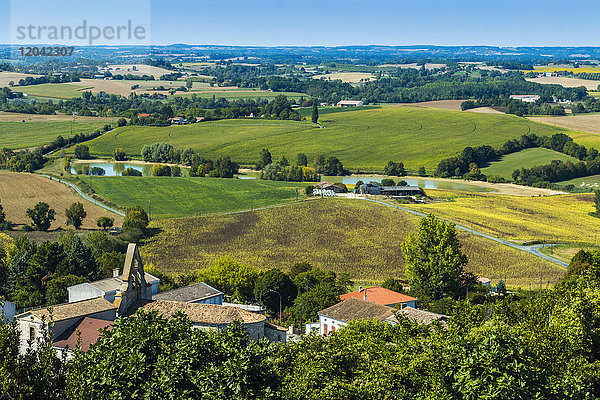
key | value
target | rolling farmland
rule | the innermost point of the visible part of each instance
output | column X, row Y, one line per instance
column 524, row 159
column 38, row 130
column 55, row 90
column 177, row 197
column 562, row 218
column 359, row 238
column 361, row 139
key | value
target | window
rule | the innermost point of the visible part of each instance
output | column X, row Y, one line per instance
column 324, row 329
column 31, row 333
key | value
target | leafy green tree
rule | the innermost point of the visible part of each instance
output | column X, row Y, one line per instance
column 596, row 202
column 394, row 284
column 319, row 163
column 121, row 122
column 434, row 260
column 395, row 169
column 309, row 303
column 56, row 291
column 232, row 278
column 4, row 224
column 501, row 287
column 387, row 182
column 422, row 171
column 136, row 218
column 301, row 160
column 79, row 261
column 105, row 222
column 120, row 154
column 75, row 215
column 41, row 215
column 101, row 242
column 131, row 172
column 274, row 279
column 264, row 159
column 82, row 152
column 284, row 161
column 315, row 113
column 173, row 361
column 108, row 262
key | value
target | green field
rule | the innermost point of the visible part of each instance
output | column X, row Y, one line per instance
column 18, row 135
column 177, row 197
column 362, row 139
column 592, row 182
column 524, row 159
column 54, row 90
column 356, row 237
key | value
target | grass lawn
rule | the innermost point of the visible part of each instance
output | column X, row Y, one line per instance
column 177, row 197
column 524, row 159
column 348, row 236
column 362, row 139
column 565, row 252
column 18, row 135
column 562, row 218
column 54, row 90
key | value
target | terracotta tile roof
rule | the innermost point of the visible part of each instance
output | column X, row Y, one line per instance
column 204, row 313
column 72, row 310
column 186, row 294
column 380, row 295
column 90, row 332
column 420, row 316
column 353, row 309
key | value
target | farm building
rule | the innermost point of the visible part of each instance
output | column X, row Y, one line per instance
column 349, row 103
column 382, row 296
column 375, row 189
column 197, row 293
column 330, row 186
column 353, row 309
column 527, row 98
column 484, row 281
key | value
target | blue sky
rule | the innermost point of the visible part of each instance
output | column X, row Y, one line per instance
column 344, row 22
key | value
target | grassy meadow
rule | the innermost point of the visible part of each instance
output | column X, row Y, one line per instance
column 524, row 159
column 18, row 135
column 589, row 181
column 348, row 236
column 363, row 139
column 562, row 218
column 177, row 197
column 234, row 93
column 54, row 90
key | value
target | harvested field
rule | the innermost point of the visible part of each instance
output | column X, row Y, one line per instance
column 20, row 191
column 350, row 77
column 577, row 122
column 19, row 117
column 7, row 77
column 566, row 81
column 55, row 90
column 485, row 110
column 441, row 104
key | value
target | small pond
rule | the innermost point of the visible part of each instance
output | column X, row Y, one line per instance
column 113, row 169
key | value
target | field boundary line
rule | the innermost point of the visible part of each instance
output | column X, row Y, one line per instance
column 85, row 196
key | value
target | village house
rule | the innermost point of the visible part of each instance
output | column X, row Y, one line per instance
column 352, row 309
column 382, row 296
column 330, row 186
column 95, row 305
column 349, row 103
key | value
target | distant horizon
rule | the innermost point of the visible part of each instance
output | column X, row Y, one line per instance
column 336, row 23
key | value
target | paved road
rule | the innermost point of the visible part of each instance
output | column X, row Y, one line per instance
column 534, row 249
column 85, row 196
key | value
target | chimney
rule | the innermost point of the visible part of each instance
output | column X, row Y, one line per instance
column 116, row 272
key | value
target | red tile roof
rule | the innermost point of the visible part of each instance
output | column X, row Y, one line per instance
column 90, row 332
column 379, row 295
column 81, row 308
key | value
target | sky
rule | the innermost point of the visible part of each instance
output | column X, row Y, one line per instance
column 334, row 22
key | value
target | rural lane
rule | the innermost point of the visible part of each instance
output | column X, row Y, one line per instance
column 85, row 196
column 533, row 249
